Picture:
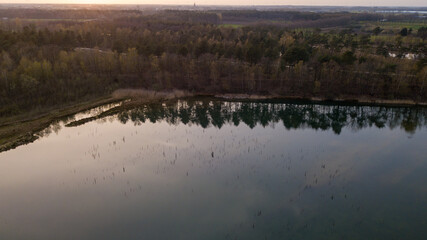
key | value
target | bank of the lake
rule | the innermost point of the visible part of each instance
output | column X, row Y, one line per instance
column 21, row 129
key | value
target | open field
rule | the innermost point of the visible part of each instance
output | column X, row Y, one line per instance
column 229, row 25
column 415, row 25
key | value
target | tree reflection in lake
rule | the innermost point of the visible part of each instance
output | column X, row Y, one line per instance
column 211, row 169
column 293, row 116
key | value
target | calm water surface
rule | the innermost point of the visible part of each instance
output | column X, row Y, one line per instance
column 208, row 169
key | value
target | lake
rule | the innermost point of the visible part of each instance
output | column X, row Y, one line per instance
column 213, row 169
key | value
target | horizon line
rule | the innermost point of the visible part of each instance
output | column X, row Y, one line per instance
column 217, row 5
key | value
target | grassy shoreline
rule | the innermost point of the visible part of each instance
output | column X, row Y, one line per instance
column 20, row 130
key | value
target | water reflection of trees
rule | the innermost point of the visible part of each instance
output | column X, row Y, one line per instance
column 293, row 116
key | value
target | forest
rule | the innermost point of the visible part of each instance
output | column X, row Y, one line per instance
column 50, row 58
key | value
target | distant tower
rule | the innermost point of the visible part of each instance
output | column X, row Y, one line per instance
column 194, row 4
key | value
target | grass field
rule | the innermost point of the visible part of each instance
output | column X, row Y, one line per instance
column 227, row 25
column 397, row 25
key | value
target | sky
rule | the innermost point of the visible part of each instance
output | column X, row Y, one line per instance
column 371, row 3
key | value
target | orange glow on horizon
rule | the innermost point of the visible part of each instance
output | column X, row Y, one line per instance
column 368, row 3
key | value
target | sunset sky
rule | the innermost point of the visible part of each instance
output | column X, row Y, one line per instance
column 241, row 2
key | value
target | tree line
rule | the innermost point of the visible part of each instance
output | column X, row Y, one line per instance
column 63, row 63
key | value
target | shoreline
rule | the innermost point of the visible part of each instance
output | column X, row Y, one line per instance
column 352, row 101
column 21, row 130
